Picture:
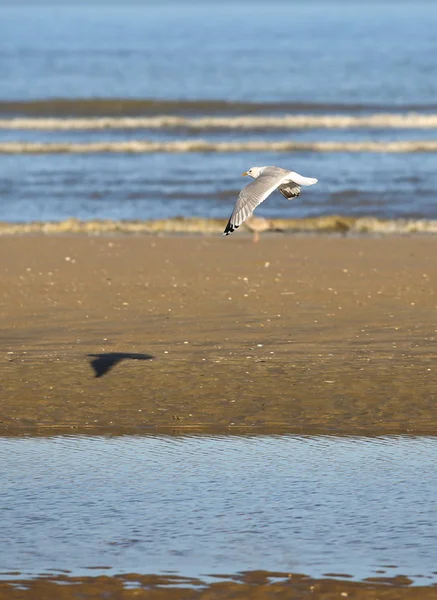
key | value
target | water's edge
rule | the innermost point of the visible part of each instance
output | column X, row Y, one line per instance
column 197, row 225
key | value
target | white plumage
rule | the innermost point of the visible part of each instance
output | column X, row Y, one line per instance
column 267, row 180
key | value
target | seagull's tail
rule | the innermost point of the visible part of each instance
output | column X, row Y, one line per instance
column 301, row 180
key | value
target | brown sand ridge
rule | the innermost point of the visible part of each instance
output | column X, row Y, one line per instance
column 256, row 585
column 300, row 334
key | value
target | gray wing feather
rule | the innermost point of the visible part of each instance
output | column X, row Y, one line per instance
column 253, row 194
column 289, row 190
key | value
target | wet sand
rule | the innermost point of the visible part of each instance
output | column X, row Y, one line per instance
column 124, row 333
column 256, row 584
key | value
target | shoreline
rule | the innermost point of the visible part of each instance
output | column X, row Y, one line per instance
column 253, row 584
column 320, row 225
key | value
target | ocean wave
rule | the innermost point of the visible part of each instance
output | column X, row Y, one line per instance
column 247, row 122
column 183, row 146
column 138, row 106
column 196, row 225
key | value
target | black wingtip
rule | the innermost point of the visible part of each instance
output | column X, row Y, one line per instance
column 230, row 228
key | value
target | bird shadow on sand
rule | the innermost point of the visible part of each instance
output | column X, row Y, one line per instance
column 104, row 362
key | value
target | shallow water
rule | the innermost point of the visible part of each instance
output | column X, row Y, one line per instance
column 205, row 505
column 139, row 186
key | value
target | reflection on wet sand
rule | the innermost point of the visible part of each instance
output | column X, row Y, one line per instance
column 105, row 361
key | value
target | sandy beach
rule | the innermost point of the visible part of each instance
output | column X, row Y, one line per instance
column 125, row 333
column 186, row 416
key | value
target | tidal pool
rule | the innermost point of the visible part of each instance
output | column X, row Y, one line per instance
column 199, row 506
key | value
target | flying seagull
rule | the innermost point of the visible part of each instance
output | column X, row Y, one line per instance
column 267, row 180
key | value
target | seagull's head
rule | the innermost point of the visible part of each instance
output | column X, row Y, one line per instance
column 254, row 172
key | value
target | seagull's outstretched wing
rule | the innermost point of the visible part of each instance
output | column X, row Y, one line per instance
column 255, row 193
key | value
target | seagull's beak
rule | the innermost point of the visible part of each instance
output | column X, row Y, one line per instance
column 245, row 173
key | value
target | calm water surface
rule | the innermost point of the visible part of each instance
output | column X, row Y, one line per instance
column 206, row 505
column 310, row 52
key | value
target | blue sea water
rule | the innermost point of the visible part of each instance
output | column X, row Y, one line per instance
column 215, row 60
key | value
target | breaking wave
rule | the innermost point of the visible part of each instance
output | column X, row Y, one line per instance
column 323, row 224
column 247, row 122
column 182, row 146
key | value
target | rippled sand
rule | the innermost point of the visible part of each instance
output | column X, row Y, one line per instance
column 308, row 333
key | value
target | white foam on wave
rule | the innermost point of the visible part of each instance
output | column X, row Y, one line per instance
column 244, row 122
column 183, row 146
